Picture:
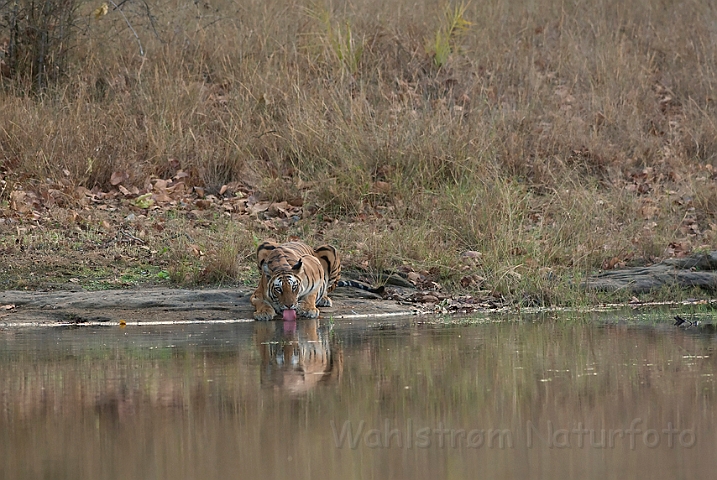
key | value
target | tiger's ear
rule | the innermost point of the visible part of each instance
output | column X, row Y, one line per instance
column 265, row 269
column 297, row 268
column 264, row 252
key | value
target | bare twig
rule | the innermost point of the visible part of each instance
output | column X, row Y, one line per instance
column 116, row 7
column 132, row 238
column 152, row 21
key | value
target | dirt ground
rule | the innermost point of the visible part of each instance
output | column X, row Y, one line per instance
column 166, row 306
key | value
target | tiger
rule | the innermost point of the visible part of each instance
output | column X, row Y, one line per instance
column 295, row 279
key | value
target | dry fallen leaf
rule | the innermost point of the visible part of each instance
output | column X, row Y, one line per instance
column 278, row 209
column 648, row 211
column 18, row 201
column 612, row 263
column 472, row 280
column 381, row 187
column 118, row 177
column 202, row 204
column 678, row 249
column 83, row 191
column 161, row 197
column 101, row 11
column 259, row 207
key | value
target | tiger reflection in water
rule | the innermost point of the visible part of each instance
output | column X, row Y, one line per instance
column 297, row 356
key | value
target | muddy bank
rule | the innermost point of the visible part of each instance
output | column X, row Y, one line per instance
column 164, row 305
column 167, row 305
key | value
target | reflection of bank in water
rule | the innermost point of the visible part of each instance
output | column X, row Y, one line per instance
column 297, row 356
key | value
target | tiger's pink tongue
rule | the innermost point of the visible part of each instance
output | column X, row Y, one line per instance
column 289, row 315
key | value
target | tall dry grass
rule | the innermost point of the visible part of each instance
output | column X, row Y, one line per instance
column 553, row 137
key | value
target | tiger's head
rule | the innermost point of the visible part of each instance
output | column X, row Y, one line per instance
column 283, row 287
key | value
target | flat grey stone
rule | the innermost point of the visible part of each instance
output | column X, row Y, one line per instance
column 695, row 271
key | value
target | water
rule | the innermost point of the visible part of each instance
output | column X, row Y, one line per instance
column 553, row 398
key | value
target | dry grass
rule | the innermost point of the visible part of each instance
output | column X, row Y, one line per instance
column 553, row 138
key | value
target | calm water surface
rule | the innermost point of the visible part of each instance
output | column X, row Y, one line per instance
column 549, row 398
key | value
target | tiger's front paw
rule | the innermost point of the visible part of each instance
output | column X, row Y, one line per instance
column 308, row 310
column 323, row 302
column 264, row 314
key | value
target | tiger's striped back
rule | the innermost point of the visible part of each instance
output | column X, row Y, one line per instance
column 331, row 263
